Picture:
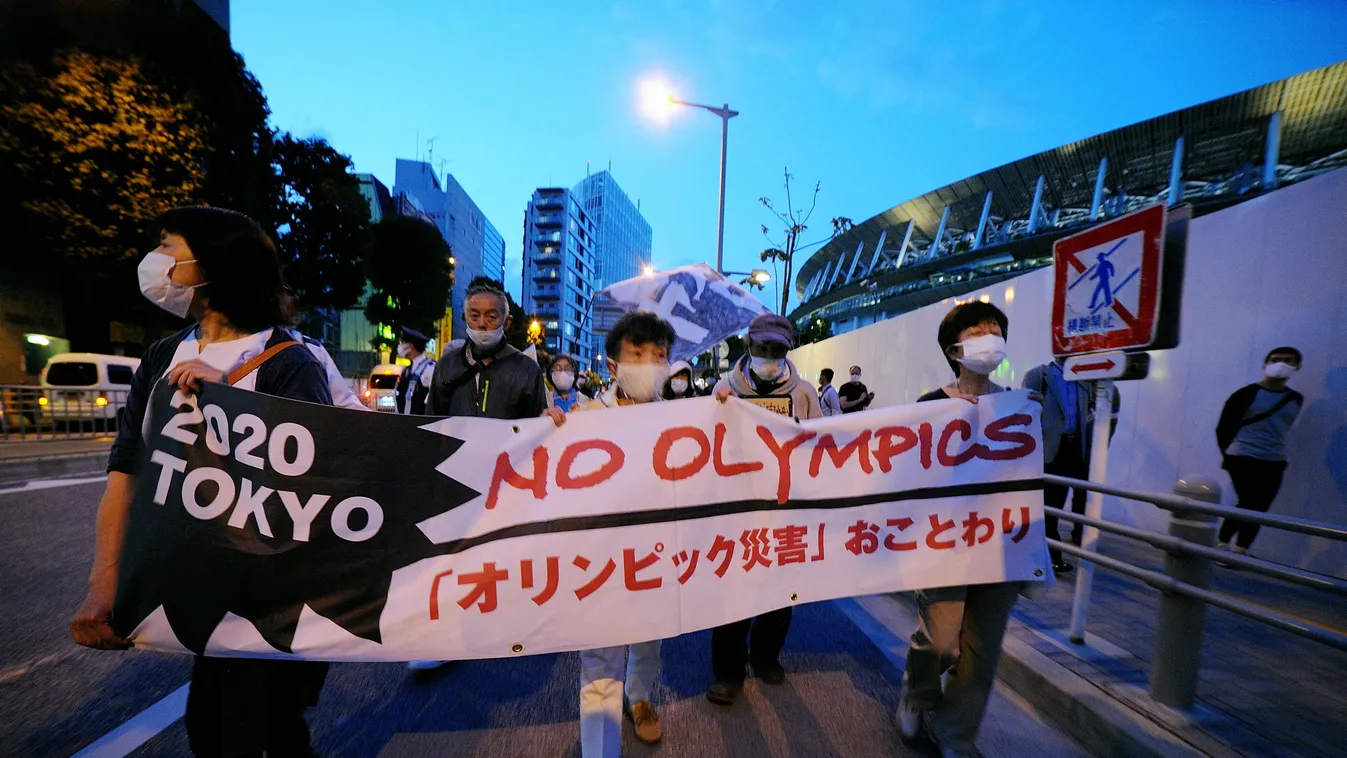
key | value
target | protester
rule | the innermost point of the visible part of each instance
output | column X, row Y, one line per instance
column 638, row 357
column 1068, row 434
column 563, row 394
column 854, row 394
column 959, row 628
column 221, row 269
column 679, row 385
column 585, row 385
column 413, row 384
column 484, row 375
column 1252, row 438
column 829, row 403
column 763, row 372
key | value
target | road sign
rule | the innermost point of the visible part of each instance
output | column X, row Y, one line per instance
column 1106, row 293
column 1111, row 365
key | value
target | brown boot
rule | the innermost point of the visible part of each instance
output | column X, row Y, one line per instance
column 645, row 722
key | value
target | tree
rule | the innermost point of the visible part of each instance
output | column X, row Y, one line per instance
column 816, row 330
column 324, row 224
column 796, row 221
column 409, row 274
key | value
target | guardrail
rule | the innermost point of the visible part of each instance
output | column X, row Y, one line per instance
column 58, row 413
column 1184, row 584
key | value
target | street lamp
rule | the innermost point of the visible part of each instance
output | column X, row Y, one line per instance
column 648, row 270
column 756, row 277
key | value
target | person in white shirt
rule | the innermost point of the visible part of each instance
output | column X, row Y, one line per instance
column 414, row 384
column 827, row 394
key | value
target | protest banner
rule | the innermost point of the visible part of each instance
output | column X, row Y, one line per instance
column 265, row 527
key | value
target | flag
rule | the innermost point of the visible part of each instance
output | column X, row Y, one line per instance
column 702, row 305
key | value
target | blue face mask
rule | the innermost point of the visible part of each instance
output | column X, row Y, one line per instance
column 769, row 369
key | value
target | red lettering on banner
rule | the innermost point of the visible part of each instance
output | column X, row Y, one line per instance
column 782, row 453
column 965, row 431
column 1008, row 523
column 996, row 432
column 585, row 591
column 826, row 444
column 680, row 559
column 938, row 528
column 756, row 547
column 435, row 594
column 602, row 474
column 790, row 544
column 864, row 538
column 553, row 577
column 630, row 566
column 731, row 469
column 972, row 527
column 891, row 539
column 665, row 443
column 926, row 433
column 506, row 474
column 723, row 545
column 819, row 555
column 887, row 450
column 483, row 590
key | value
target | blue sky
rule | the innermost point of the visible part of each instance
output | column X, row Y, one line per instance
column 877, row 101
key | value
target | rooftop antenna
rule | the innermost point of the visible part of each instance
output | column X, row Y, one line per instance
column 586, row 169
column 418, row 145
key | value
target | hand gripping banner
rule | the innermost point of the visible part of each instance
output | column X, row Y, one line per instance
column 264, row 527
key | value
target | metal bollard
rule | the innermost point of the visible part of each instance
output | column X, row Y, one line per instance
column 1178, row 630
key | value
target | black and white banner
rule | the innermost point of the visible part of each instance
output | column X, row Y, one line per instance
column 265, row 527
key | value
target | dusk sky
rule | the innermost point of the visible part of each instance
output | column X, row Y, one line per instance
column 878, row 101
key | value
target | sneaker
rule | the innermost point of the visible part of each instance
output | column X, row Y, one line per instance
column 645, row 722
column 724, row 693
column 770, row 673
column 424, row 665
column 1062, row 567
column 909, row 719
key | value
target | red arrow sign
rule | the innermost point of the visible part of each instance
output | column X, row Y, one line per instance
column 1105, row 366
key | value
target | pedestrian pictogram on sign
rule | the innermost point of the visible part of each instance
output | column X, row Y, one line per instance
column 1107, row 284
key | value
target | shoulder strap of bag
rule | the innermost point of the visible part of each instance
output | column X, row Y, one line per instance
column 256, row 362
column 1267, row 413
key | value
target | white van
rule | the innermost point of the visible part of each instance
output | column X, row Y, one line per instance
column 379, row 392
column 86, row 386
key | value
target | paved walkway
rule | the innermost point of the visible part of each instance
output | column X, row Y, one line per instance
column 50, row 447
column 1262, row 691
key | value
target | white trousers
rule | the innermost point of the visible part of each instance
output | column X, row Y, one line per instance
column 602, row 674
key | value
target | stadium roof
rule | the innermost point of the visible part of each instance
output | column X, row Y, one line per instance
column 1220, row 137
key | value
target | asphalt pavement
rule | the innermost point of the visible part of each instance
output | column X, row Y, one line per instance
column 57, row 699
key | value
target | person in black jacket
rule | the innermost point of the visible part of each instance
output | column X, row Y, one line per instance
column 221, row 269
column 414, row 383
column 1252, row 438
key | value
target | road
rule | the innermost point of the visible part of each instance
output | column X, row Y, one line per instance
column 56, row 698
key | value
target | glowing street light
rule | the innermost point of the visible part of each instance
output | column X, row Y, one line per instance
column 656, row 99
column 648, row 270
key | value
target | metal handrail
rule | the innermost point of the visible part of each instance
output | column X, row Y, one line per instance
column 1166, row 583
column 1179, row 503
column 35, row 413
column 1174, row 544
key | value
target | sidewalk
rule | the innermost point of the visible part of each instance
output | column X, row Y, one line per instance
column 1261, row 691
column 23, row 460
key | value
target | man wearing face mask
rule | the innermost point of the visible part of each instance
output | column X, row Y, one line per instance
column 680, row 382
column 959, row 628
column 1252, row 437
column 855, row 396
column 827, row 394
column 414, row 384
column 764, row 372
column 638, row 359
column 564, row 394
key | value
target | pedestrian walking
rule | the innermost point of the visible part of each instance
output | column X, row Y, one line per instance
column 855, row 396
column 1068, row 434
column 221, row 269
column 828, row 400
column 413, row 386
column 1251, row 435
column 763, row 372
column 679, row 385
column 959, row 629
column 638, row 358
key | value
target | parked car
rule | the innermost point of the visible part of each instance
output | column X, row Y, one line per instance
column 86, row 386
column 383, row 380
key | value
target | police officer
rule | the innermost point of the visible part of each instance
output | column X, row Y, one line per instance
column 414, row 384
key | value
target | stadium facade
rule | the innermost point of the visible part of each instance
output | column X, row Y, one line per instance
column 1001, row 223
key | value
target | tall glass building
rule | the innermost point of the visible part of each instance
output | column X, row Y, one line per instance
column 560, row 270
column 624, row 244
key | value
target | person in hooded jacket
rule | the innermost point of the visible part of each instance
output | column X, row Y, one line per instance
column 762, row 374
column 679, row 385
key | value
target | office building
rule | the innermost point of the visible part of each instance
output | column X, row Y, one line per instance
column 624, row 245
column 560, row 258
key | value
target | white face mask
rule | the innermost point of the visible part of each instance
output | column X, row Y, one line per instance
column 156, row 284
column 404, row 350
column 982, row 355
column 1279, row 370
column 678, row 385
column 563, row 380
column 768, row 369
column 642, row 381
column 856, row 378
column 486, row 339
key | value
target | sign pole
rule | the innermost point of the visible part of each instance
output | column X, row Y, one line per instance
column 1094, row 507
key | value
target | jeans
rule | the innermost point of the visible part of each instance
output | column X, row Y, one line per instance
column 1256, row 484
column 245, row 706
column 603, row 672
column 758, row 639
column 1070, row 464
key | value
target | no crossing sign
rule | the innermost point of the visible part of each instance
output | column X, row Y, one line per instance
column 1106, row 293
